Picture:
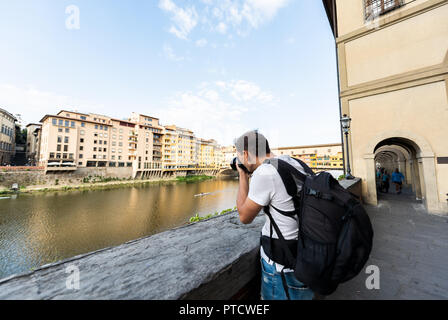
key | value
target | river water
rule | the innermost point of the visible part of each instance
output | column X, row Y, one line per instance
column 43, row 228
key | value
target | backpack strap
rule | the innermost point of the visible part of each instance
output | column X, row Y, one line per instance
column 291, row 261
column 288, row 173
column 290, row 258
column 305, row 167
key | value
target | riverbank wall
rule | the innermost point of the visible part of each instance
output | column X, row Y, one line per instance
column 214, row 259
column 40, row 179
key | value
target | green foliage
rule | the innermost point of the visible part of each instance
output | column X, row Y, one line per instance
column 190, row 179
column 56, row 182
column 197, row 218
column 341, row 177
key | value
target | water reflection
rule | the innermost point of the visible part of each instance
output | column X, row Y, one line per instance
column 39, row 229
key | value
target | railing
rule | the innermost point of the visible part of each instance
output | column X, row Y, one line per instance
column 213, row 259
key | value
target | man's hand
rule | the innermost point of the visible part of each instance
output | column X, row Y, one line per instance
column 247, row 209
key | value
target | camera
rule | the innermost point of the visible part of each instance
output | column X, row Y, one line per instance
column 236, row 162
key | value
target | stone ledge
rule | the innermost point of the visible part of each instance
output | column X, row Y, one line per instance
column 212, row 259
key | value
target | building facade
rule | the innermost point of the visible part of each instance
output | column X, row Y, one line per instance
column 71, row 140
column 320, row 157
column 393, row 75
column 7, row 137
column 33, row 143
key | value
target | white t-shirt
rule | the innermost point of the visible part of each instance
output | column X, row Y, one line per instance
column 266, row 187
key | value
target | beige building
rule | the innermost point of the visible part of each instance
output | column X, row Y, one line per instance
column 71, row 140
column 393, row 75
column 321, row 156
column 7, row 137
column 33, row 142
column 229, row 153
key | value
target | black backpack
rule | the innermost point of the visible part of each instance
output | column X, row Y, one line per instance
column 335, row 232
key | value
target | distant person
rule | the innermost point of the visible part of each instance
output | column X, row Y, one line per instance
column 385, row 182
column 266, row 188
column 397, row 179
column 378, row 179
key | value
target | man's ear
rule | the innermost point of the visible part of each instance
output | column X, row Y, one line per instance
column 246, row 156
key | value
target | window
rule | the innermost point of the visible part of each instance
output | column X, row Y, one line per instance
column 375, row 8
column 65, row 139
column 81, row 140
column 67, row 123
column 60, row 130
column 61, row 122
column 54, row 121
column 83, row 118
column 67, row 130
column 81, row 148
column 59, row 139
column 73, row 124
column 51, row 155
column 65, row 148
column 83, row 124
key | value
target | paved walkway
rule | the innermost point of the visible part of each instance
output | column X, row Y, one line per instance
column 410, row 249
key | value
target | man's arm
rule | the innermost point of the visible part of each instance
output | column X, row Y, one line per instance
column 247, row 209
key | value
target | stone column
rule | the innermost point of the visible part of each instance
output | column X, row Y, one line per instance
column 369, row 195
column 431, row 192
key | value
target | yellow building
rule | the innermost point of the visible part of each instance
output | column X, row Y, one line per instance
column 393, row 75
column 7, row 137
column 321, row 157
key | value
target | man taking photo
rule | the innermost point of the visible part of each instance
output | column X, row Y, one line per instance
column 260, row 186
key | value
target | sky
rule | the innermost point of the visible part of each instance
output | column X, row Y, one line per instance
column 217, row 67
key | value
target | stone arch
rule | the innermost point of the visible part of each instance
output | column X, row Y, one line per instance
column 421, row 159
column 418, row 142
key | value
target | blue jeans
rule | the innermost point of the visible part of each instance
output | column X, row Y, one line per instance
column 272, row 285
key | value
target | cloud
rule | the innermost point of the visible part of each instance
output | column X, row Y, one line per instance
column 184, row 19
column 32, row 104
column 222, row 16
column 221, row 28
column 201, row 43
column 218, row 110
column 169, row 54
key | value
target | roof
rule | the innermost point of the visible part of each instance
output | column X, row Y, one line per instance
column 144, row 115
column 330, row 9
column 84, row 114
column 33, row 124
column 7, row 113
column 73, row 119
column 311, row 146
